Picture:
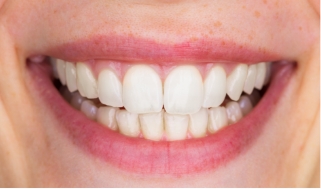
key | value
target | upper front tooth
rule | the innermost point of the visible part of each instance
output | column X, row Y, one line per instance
column 261, row 72
column 110, row 89
column 142, row 90
column 86, row 81
column 214, row 87
column 61, row 71
column 71, row 76
column 183, row 91
column 250, row 79
column 236, row 80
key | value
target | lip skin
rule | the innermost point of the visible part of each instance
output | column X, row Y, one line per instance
column 141, row 156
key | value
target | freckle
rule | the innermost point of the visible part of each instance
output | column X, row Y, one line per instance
column 219, row 9
column 300, row 28
column 264, row 1
column 250, row 37
column 243, row 7
column 217, row 24
column 206, row 5
column 257, row 14
column 241, row 46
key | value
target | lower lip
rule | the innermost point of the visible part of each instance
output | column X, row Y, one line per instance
column 141, row 156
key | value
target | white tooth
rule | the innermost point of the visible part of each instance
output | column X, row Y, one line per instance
column 175, row 126
column 152, row 125
column 183, row 91
column 89, row 109
column 198, row 123
column 217, row 119
column 71, row 76
column 128, row 123
column 86, row 82
column 236, row 80
column 76, row 100
column 250, row 79
column 53, row 63
column 260, row 76
column 268, row 72
column 110, row 89
column 255, row 97
column 107, row 117
column 245, row 105
column 61, row 66
column 234, row 113
column 214, row 87
column 142, row 90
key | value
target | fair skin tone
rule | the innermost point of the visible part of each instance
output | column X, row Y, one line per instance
column 35, row 151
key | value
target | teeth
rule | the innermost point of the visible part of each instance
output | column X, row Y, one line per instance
column 65, row 94
column 268, row 73
column 76, row 100
column 152, row 125
column 89, row 109
column 234, row 112
column 107, row 117
column 61, row 71
column 128, row 123
column 183, row 91
column 142, row 90
column 71, row 76
column 260, row 77
column 110, row 89
column 175, row 126
column 215, row 87
column 235, row 81
column 198, row 123
column 217, row 119
column 250, row 79
column 245, row 105
column 86, row 82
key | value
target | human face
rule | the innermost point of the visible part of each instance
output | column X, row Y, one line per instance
column 163, row 46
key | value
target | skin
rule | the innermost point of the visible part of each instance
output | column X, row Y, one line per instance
column 34, row 153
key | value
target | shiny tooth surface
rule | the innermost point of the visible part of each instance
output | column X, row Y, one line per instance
column 217, row 119
column 245, row 105
column 198, row 123
column 175, row 126
column 86, row 81
column 128, row 123
column 250, row 79
column 110, row 89
column 142, row 90
column 183, row 90
column 268, row 72
column 260, row 76
column 152, row 125
column 71, row 76
column 53, row 63
column 236, row 80
column 76, row 100
column 61, row 66
column 107, row 117
column 214, row 87
column 89, row 109
column 234, row 112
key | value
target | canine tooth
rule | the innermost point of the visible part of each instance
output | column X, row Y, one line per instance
column 107, row 117
column 152, row 125
column 245, row 105
column 76, row 100
column 53, row 63
column 260, row 76
column 234, row 112
column 183, row 91
column 110, row 89
column 250, row 79
column 175, row 126
column 217, row 119
column 89, row 109
column 71, row 76
column 214, row 87
column 61, row 66
column 142, row 90
column 236, row 80
column 268, row 72
column 86, row 82
column 198, row 123
column 128, row 123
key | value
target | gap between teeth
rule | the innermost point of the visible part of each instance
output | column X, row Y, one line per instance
column 193, row 106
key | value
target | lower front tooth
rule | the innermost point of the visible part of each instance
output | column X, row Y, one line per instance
column 89, row 109
column 217, row 118
column 234, row 113
column 152, row 125
column 198, row 123
column 245, row 105
column 107, row 117
column 128, row 123
column 176, row 126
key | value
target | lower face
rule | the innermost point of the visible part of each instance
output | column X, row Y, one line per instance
column 159, row 93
